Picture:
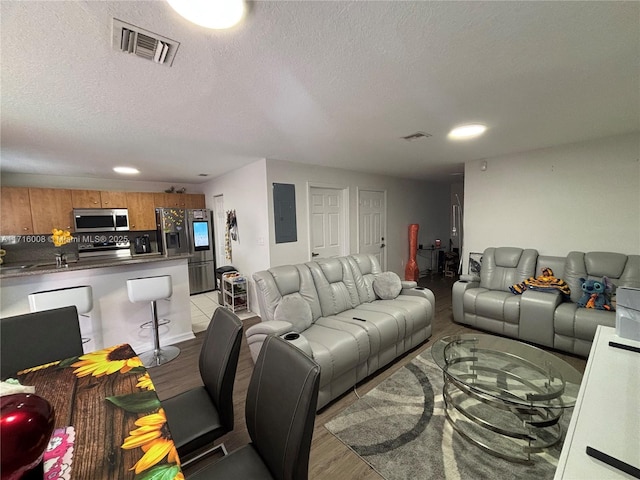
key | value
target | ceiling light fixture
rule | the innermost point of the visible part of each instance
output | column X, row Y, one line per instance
column 467, row 131
column 126, row 170
column 216, row 14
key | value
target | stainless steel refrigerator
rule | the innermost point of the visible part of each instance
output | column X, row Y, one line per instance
column 200, row 242
column 189, row 231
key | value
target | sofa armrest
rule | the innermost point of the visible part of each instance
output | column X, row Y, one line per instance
column 467, row 277
column 257, row 334
column 537, row 311
column 457, row 295
column 421, row 292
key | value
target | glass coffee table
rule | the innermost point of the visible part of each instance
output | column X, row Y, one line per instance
column 505, row 396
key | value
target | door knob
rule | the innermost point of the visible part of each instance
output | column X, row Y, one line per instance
column 382, row 245
column 314, row 254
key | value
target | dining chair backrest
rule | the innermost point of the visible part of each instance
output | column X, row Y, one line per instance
column 219, row 360
column 281, row 408
column 37, row 338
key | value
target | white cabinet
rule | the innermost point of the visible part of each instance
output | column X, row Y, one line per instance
column 234, row 291
column 606, row 416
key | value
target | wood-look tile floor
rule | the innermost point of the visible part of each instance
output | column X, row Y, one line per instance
column 330, row 458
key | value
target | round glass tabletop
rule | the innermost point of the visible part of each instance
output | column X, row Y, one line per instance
column 508, row 370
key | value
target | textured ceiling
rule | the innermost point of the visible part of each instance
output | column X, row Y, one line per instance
column 327, row 83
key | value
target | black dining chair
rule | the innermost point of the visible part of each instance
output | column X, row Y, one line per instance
column 203, row 414
column 280, row 413
column 37, row 338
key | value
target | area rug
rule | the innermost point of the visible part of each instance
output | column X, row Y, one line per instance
column 400, row 429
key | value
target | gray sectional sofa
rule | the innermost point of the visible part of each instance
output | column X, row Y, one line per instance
column 329, row 308
column 541, row 317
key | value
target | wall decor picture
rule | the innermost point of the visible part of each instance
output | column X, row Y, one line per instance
column 475, row 263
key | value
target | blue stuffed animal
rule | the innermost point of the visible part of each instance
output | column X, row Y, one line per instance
column 595, row 294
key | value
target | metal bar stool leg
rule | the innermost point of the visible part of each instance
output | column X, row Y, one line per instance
column 157, row 356
column 151, row 289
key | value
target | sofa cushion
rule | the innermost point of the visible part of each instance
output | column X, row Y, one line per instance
column 503, row 267
column 364, row 267
column 295, row 310
column 335, row 286
column 601, row 264
column 387, row 285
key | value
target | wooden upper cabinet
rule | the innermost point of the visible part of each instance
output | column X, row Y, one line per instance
column 15, row 218
column 114, row 199
column 179, row 200
column 169, row 200
column 195, row 200
column 98, row 199
column 86, row 199
column 51, row 208
column 142, row 214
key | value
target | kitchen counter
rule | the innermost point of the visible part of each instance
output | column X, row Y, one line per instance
column 10, row 271
column 113, row 319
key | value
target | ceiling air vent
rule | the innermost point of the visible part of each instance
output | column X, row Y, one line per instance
column 416, row 136
column 151, row 46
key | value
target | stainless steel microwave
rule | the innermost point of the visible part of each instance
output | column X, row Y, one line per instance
column 100, row 219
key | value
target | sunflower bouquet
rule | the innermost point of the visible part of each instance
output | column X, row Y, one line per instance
column 61, row 237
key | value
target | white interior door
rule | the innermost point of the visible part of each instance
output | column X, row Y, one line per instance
column 372, row 224
column 219, row 225
column 327, row 222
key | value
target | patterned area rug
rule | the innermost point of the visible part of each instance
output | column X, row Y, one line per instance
column 400, row 429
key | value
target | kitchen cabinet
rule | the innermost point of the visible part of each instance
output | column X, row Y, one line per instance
column 51, row 208
column 98, row 199
column 194, row 200
column 142, row 213
column 179, row 200
column 16, row 211
column 168, row 200
column 39, row 210
column 113, row 199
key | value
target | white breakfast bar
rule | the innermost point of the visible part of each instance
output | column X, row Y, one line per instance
column 113, row 319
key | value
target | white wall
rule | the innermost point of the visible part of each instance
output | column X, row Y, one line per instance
column 407, row 202
column 583, row 197
column 52, row 181
column 245, row 191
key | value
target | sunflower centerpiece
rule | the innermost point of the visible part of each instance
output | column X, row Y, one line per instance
column 60, row 238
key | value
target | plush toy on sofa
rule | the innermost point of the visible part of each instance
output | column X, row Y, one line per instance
column 595, row 294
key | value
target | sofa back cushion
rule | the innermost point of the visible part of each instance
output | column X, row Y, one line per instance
column 554, row 263
column 619, row 268
column 503, row 267
column 364, row 267
column 335, row 285
column 278, row 282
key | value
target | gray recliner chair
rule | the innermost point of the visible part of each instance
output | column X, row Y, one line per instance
column 489, row 304
column 280, row 414
column 203, row 414
column 37, row 338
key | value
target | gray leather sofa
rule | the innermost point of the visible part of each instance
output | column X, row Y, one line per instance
column 543, row 318
column 339, row 320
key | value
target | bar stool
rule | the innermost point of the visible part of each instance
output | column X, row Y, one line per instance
column 81, row 297
column 151, row 289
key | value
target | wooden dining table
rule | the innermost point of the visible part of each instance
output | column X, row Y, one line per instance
column 106, row 407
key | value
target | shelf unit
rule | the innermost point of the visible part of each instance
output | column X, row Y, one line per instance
column 234, row 291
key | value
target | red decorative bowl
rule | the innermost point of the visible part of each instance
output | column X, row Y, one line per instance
column 26, row 425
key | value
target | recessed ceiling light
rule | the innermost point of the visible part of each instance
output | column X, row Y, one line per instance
column 126, row 170
column 467, row 131
column 217, row 14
